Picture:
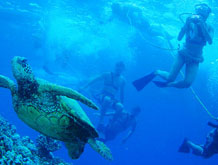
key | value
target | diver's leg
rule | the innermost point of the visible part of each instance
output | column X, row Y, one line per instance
column 196, row 149
column 105, row 105
column 190, row 75
column 168, row 76
column 191, row 72
column 171, row 76
column 188, row 145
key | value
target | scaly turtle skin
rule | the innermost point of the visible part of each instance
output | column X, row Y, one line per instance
column 52, row 110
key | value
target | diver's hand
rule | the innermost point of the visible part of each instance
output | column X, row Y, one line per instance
column 195, row 18
column 188, row 21
column 97, row 114
column 202, row 24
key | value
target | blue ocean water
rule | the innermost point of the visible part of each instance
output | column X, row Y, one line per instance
column 80, row 39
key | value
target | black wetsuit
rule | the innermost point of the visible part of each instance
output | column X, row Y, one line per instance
column 119, row 123
column 211, row 145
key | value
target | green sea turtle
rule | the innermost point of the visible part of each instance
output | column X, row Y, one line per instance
column 52, row 110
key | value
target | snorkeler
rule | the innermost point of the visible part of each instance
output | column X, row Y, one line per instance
column 198, row 33
column 208, row 149
column 113, row 84
column 120, row 121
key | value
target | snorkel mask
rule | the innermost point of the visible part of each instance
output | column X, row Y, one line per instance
column 203, row 10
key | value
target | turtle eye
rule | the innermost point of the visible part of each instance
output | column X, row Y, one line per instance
column 23, row 63
column 24, row 60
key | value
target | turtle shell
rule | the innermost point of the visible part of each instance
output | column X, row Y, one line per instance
column 66, row 123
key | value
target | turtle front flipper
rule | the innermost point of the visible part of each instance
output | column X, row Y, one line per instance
column 5, row 82
column 70, row 93
column 101, row 148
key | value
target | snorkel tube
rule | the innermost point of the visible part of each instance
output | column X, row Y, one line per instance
column 201, row 9
column 182, row 14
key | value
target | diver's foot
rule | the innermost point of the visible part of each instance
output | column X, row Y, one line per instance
column 161, row 84
column 184, row 148
column 139, row 84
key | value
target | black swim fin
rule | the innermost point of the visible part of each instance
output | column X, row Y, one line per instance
column 142, row 82
column 160, row 84
column 213, row 125
column 184, row 148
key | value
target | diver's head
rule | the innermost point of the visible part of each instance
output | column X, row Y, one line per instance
column 119, row 68
column 21, row 69
column 203, row 10
column 135, row 111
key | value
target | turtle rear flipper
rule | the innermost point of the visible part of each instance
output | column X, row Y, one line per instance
column 101, row 148
column 5, row 82
column 75, row 149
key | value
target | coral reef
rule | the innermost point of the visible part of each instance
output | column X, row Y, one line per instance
column 46, row 146
column 18, row 150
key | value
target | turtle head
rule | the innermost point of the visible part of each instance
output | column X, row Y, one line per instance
column 21, row 69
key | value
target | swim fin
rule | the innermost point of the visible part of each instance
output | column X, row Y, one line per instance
column 184, row 148
column 139, row 84
column 160, row 84
column 213, row 125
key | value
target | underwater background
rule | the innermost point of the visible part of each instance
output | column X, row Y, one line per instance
column 79, row 39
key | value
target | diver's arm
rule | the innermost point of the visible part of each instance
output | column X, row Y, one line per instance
column 122, row 89
column 181, row 33
column 122, row 95
column 106, row 114
column 207, row 32
column 110, row 114
column 130, row 133
column 183, row 29
column 211, row 34
column 95, row 80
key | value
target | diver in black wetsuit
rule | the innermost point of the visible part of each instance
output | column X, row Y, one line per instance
column 114, row 84
column 120, row 121
column 208, row 149
column 198, row 33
